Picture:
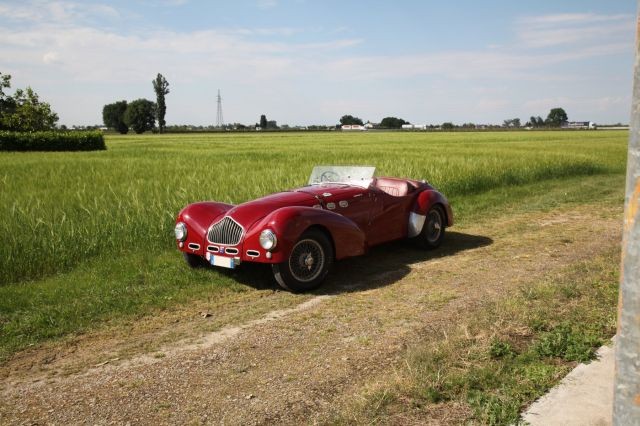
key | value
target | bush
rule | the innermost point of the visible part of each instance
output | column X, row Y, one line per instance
column 51, row 141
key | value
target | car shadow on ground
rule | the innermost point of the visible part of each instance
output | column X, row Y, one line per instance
column 381, row 266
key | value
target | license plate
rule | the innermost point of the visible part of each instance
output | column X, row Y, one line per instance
column 225, row 262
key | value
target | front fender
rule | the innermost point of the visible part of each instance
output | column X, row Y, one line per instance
column 289, row 223
column 427, row 199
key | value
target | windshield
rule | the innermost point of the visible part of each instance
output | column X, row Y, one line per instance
column 352, row 175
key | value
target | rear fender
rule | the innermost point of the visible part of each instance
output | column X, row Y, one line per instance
column 427, row 199
column 198, row 217
column 289, row 223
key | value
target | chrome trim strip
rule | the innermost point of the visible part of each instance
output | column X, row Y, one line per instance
column 231, row 250
column 213, row 249
column 194, row 246
column 253, row 253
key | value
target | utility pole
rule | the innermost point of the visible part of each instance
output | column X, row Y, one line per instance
column 626, row 394
column 219, row 119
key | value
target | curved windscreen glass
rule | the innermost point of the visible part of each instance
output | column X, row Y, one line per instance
column 352, row 175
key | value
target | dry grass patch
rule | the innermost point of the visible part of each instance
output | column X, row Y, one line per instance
column 489, row 366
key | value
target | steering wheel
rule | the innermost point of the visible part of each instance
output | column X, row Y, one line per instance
column 329, row 176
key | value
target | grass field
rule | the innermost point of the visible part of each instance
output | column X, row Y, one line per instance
column 87, row 237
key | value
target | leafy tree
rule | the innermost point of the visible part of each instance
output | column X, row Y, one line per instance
column 7, row 104
column 161, row 87
column 556, row 117
column 263, row 121
column 512, row 122
column 24, row 112
column 140, row 115
column 113, row 116
column 5, row 83
column 536, row 121
column 392, row 122
column 272, row 124
column 346, row 120
column 447, row 126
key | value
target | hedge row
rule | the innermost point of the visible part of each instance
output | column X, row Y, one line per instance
column 51, row 141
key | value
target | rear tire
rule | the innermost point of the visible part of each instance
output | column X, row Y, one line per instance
column 308, row 264
column 194, row 261
column 433, row 229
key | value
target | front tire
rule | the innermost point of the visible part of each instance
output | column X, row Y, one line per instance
column 433, row 229
column 308, row 264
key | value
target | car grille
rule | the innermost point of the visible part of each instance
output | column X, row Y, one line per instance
column 226, row 232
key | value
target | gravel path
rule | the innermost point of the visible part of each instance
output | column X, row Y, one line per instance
column 299, row 364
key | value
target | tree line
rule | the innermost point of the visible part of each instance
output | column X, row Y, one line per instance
column 556, row 118
column 139, row 115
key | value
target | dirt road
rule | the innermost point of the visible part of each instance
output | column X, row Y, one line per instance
column 302, row 360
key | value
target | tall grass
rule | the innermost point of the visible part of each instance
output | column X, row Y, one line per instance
column 59, row 209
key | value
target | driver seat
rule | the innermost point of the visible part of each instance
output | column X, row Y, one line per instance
column 391, row 186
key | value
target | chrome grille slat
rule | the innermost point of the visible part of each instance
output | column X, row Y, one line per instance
column 226, row 232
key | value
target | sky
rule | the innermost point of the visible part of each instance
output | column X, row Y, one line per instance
column 303, row 62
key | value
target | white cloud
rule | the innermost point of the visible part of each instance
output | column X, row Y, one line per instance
column 570, row 29
column 285, row 31
column 56, row 11
column 464, row 65
column 267, row 4
column 327, row 72
column 588, row 103
column 571, row 18
column 175, row 2
column 51, row 58
column 95, row 55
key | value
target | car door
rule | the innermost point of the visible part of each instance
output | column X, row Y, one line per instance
column 389, row 217
column 353, row 203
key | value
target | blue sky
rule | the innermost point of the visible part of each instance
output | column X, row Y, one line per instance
column 310, row 62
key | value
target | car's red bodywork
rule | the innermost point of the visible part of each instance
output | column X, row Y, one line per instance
column 354, row 218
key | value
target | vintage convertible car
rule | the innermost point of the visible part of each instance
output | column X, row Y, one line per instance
column 342, row 212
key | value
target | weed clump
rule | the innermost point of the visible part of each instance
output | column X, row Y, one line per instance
column 569, row 343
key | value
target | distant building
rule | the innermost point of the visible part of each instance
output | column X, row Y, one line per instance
column 590, row 125
column 414, row 126
column 353, row 127
column 370, row 125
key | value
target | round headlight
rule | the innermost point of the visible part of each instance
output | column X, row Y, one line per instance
column 268, row 239
column 181, row 231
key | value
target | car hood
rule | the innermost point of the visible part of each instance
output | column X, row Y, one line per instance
column 246, row 214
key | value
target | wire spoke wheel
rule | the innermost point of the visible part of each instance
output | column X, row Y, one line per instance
column 307, row 260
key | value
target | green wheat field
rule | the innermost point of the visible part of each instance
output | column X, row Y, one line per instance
column 88, row 235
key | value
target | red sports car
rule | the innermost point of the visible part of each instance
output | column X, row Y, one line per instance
column 342, row 212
